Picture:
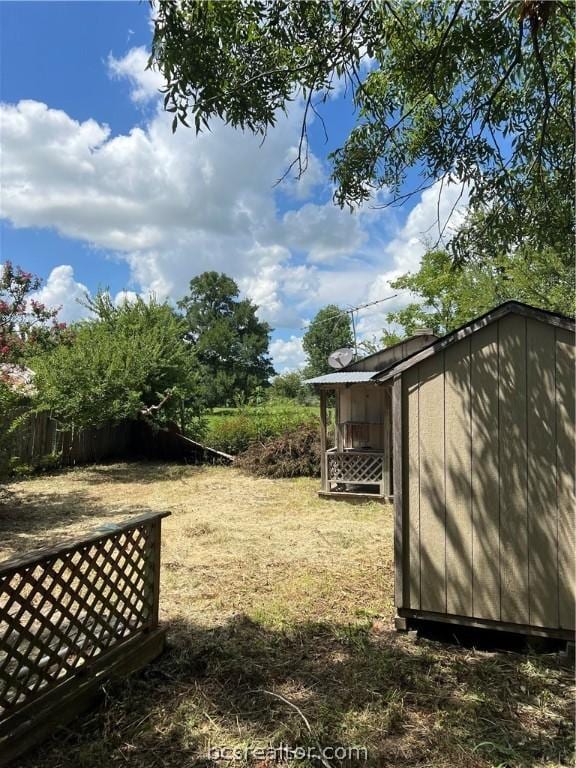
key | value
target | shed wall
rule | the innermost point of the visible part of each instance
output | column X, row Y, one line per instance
column 488, row 477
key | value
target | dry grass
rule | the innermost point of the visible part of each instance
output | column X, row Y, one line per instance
column 265, row 587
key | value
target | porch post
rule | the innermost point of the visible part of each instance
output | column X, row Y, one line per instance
column 323, row 420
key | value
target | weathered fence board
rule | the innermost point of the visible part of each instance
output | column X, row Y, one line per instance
column 68, row 616
column 40, row 436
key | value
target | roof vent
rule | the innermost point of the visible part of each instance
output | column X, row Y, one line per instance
column 423, row 332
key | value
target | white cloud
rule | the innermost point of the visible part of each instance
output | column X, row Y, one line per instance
column 174, row 205
column 144, row 83
column 433, row 220
column 125, row 297
column 313, row 177
column 62, row 290
column 287, row 354
column 430, row 223
column 325, row 231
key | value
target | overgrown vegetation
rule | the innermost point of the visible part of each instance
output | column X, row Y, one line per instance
column 330, row 329
column 27, row 327
column 233, row 431
column 25, row 324
column 294, row 453
column 445, row 297
column 10, row 409
column 290, row 386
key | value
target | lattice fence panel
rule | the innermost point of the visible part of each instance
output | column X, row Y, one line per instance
column 64, row 609
column 355, row 468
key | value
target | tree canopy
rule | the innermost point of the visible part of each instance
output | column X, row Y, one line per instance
column 26, row 324
column 130, row 361
column 476, row 93
column 330, row 330
column 229, row 341
column 445, row 298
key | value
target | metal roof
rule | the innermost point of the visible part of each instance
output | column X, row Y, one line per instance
column 343, row 377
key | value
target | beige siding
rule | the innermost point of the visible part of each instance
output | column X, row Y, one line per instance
column 488, row 487
column 458, row 480
column 542, row 509
column 565, row 361
column 432, row 490
column 485, row 474
column 364, row 405
column 412, row 489
column 513, row 478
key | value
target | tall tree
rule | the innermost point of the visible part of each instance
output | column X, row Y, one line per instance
column 478, row 93
column 230, row 342
column 329, row 330
column 446, row 297
column 25, row 323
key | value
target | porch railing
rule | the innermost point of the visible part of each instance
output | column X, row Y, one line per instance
column 358, row 468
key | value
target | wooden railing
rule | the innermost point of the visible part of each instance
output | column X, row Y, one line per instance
column 68, row 616
column 358, row 468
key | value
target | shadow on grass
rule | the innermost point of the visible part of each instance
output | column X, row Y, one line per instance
column 31, row 517
column 409, row 702
column 143, row 472
column 49, row 519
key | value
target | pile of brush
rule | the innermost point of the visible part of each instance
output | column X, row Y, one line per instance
column 295, row 453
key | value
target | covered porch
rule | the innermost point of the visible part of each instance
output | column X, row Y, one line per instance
column 356, row 443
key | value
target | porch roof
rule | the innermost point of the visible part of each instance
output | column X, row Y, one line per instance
column 344, row 377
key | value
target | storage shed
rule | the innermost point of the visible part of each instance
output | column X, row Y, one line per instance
column 484, row 463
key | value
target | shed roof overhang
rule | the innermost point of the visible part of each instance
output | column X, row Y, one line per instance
column 509, row 307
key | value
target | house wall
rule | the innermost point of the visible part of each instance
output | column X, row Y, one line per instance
column 487, row 502
column 369, row 404
column 385, row 357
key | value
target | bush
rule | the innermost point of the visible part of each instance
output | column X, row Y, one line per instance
column 11, row 409
column 235, row 433
column 296, row 453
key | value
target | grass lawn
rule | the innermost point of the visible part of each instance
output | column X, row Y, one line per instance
column 277, row 601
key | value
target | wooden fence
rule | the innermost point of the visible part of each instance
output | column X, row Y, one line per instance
column 70, row 618
column 41, row 436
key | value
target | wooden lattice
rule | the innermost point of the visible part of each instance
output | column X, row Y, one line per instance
column 363, row 468
column 63, row 608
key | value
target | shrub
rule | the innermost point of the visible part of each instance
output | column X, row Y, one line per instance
column 130, row 360
column 234, row 434
column 11, row 409
column 295, row 453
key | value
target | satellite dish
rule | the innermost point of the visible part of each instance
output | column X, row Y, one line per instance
column 341, row 358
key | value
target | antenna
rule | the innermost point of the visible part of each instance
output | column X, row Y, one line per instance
column 341, row 358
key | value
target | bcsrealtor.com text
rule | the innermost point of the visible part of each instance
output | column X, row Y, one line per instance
column 282, row 753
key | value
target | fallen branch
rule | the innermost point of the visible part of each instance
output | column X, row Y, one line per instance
column 151, row 408
column 322, row 759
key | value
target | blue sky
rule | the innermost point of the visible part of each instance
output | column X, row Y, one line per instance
column 96, row 191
